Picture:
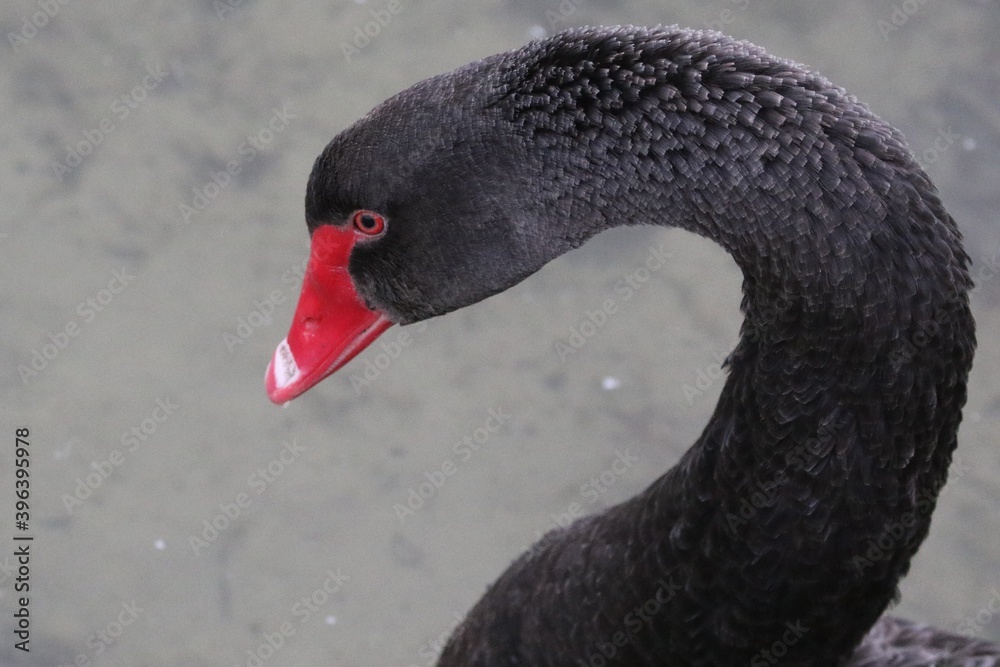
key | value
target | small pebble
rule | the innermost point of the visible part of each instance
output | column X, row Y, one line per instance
column 610, row 383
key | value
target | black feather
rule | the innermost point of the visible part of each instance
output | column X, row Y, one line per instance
column 788, row 524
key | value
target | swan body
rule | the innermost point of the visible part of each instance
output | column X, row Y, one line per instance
column 843, row 396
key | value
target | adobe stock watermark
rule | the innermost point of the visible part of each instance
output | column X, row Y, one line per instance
column 559, row 17
column 900, row 528
column 590, row 491
column 301, row 612
column 464, row 449
column 942, row 143
column 773, row 654
column 229, row 511
column 131, row 440
column 120, row 109
column 431, row 649
column 372, row 365
column 246, row 152
column 633, row 623
column 32, row 24
column 106, row 636
column 625, row 290
column 261, row 311
column 721, row 22
column 259, row 316
column 974, row 625
column 761, row 493
column 900, row 15
column 224, row 7
column 86, row 312
column 362, row 36
column 706, row 377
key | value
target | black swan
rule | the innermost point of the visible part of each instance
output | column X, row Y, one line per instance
column 839, row 413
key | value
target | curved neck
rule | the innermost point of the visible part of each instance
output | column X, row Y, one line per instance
column 800, row 506
column 796, row 513
column 790, row 521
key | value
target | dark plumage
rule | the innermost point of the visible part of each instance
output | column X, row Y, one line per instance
column 894, row 642
column 783, row 532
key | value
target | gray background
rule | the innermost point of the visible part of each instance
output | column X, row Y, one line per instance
column 364, row 447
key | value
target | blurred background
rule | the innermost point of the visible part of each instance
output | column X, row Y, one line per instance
column 181, row 519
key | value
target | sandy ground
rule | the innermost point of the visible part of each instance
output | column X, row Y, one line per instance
column 148, row 410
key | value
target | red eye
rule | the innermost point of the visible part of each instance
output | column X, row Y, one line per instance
column 368, row 223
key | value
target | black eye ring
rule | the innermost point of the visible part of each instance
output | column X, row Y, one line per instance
column 368, row 223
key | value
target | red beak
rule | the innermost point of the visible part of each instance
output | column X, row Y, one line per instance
column 331, row 324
